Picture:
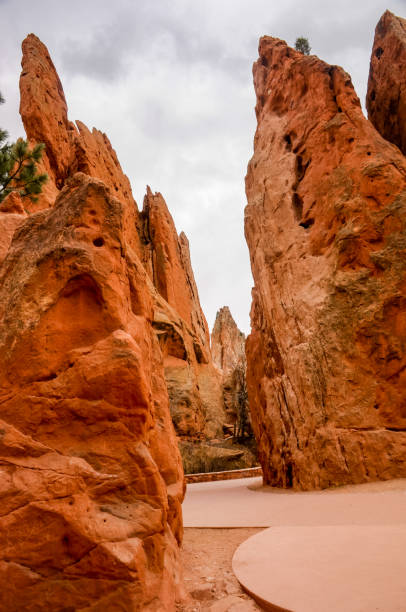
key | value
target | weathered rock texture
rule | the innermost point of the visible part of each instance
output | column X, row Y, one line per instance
column 91, row 480
column 386, row 96
column 227, row 342
column 325, row 225
column 194, row 384
column 194, row 388
column 228, row 351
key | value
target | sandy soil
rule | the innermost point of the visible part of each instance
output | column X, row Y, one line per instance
column 209, row 578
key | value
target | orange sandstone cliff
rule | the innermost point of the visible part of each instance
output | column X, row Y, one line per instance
column 91, row 478
column 325, row 225
column 386, row 96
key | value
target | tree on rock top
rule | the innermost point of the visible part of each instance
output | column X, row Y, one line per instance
column 302, row 45
column 18, row 167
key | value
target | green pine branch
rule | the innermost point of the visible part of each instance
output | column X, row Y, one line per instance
column 18, row 167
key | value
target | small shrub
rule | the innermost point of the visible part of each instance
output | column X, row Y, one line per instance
column 302, row 45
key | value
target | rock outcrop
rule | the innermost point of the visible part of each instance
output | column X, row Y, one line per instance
column 194, row 384
column 325, row 226
column 227, row 342
column 69, row 147
column 91, row 481
column 228, row 351
column 386, row 96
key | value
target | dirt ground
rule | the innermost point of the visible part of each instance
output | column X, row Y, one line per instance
column 209, row 578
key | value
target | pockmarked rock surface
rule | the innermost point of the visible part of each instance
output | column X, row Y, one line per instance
column 386, row 96
column 91, row 481
column 325, row 225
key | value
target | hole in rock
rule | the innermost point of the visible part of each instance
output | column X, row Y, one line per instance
column 264, row 62
column 379, row 52
column 306, row 224
column 98, row 242
column 373, row 94
column 288, row 142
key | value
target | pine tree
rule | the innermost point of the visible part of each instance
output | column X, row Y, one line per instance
column 18, row 167
column 302, row 45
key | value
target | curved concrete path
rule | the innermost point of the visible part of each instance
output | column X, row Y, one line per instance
column 246, row 503
column 345, row 568
column 337, row 550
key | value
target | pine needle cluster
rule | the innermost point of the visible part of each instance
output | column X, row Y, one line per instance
column 18, row 167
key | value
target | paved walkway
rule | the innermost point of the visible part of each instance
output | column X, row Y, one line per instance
column 337, row 550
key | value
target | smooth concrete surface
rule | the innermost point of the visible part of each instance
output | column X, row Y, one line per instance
column 246, row 503
column 337, row 550
column 347, row 568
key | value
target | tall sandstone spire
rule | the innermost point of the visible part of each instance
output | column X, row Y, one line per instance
column 325, row 225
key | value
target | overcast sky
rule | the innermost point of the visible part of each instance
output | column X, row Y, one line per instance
column 170, row 83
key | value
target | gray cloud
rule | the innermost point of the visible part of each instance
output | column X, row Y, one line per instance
column 171, row 85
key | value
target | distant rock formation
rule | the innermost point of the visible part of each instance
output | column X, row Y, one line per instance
column 386, row 96
column 325, row 226
column 228, row 351
column 194, row 384
column 227, row 342
column 91, row 476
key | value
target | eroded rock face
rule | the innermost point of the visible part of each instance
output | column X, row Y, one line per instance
column 91, row 477
column 386, row 96
column 228, row 351
column 325, row 226
column 91, row 481
column 194, row 384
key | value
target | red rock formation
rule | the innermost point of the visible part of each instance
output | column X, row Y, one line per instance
column 69, row 148
column 194, row 384
column 326, row 211
column 386, row 96
column 91, row 479
column 227, row 342
column 167, row 260
column 228, row 351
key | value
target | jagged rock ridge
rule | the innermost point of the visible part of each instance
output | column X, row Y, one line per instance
column 325, row 226
column 193, row 383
